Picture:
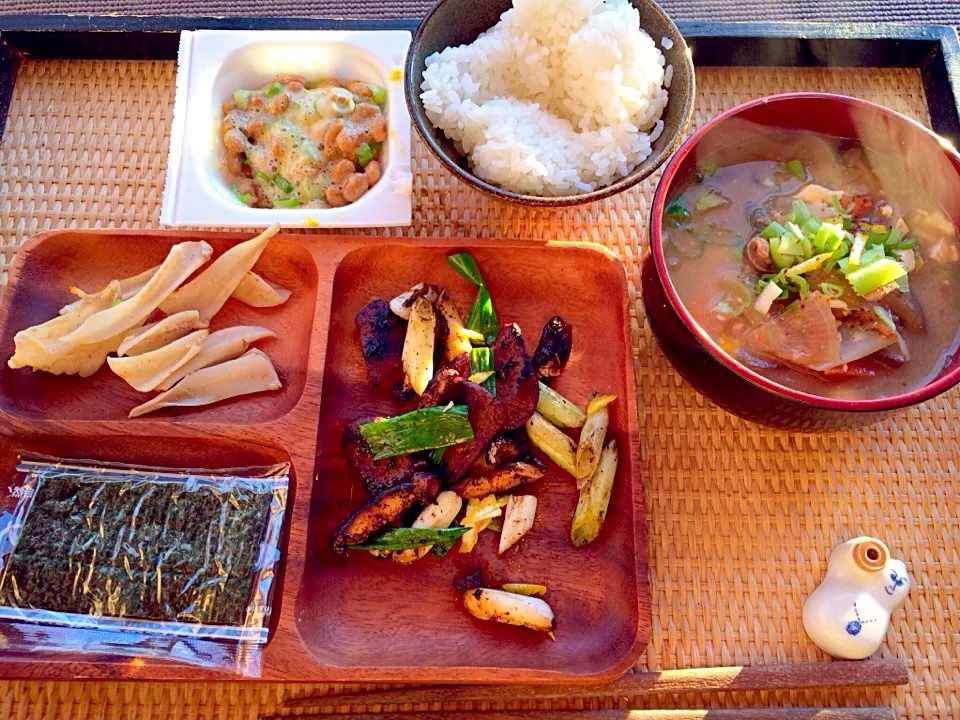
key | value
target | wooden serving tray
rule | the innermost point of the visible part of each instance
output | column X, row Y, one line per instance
column 356, row 619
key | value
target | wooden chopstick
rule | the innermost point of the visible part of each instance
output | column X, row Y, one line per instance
column 799, row 676
column 749, row 713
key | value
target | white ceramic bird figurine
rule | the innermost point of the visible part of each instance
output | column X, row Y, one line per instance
column 848, row 615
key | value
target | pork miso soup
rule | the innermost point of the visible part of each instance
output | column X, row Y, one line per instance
column 824, row 269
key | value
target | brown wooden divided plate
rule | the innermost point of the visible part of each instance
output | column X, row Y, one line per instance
column 356, row 618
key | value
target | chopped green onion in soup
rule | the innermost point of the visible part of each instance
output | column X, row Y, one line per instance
column 831, row 289
column 736, row 297
column 795, row 168
column 677, row 212
column 710, row 200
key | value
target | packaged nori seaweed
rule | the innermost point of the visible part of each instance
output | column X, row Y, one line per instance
column 143, row 553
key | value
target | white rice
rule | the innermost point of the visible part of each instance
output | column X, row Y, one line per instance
column 668, row 77
column 559, row 97
column 666, row 42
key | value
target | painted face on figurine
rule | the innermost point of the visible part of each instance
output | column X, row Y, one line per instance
column 848, row 615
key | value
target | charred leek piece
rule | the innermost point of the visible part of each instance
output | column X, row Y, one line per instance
column 405, row 538
column 517, row 520
column 440, row 514
column 592, row 435
column 417, row 356
column 402, row 304
column 510, row 608
column 553, row 442
column 558, row 410
column 481, row 360
column 456, row 343
column 482, row 317
column 524, row 588
column 595, row 498
column 471, row 335
column 423, row 429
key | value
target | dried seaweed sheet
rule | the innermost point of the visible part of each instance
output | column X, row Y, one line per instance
column 136, row 549
column 150, row 551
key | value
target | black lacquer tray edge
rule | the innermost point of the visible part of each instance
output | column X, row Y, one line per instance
column 933, row 49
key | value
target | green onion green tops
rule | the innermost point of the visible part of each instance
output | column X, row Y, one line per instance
column 423, row 429
column 803, row 243
column 466, row 266
column 282, row 183
column 482, row 317
column 404, row 538
column 481, row 360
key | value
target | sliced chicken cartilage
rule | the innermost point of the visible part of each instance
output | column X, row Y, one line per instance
column 182, row 261
column 155, row 335
column 42, row 345
column 83, row 360
column 128, row 287
column 210, row 289
column 258, row 292
column 132, row 285
column 144, row 372
column 219, row 347
column 251, row 373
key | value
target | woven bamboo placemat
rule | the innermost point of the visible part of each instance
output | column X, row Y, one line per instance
column 741, row 519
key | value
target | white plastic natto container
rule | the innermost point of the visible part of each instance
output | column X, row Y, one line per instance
column 214, row 63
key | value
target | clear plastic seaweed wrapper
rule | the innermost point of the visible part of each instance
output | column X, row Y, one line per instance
column 141, row 562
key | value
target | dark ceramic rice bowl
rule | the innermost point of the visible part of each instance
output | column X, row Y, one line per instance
column 457, row 22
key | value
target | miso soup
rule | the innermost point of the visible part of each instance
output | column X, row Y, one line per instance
column 817, row 263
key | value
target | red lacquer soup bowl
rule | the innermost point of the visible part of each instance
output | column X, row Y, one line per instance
column 926, row 159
